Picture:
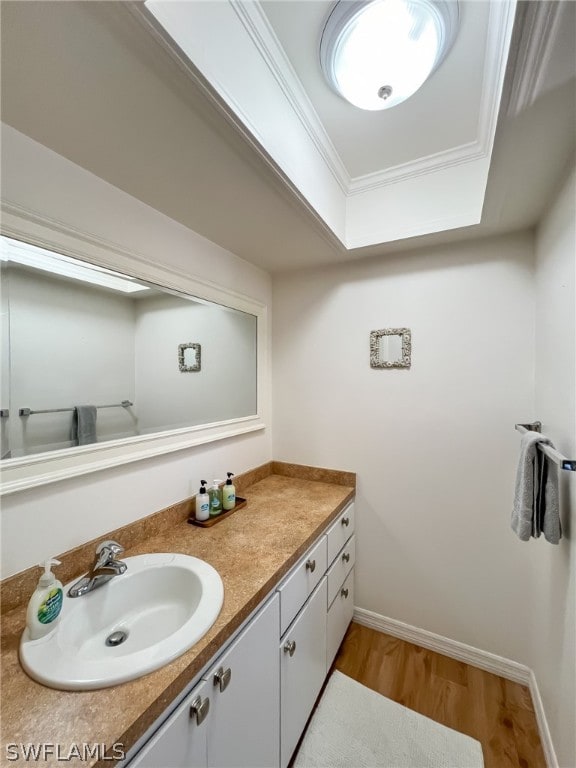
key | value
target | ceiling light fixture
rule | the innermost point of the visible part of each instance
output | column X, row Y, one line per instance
column 377, row 53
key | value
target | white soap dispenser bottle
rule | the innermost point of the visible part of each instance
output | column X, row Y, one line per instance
column 229, row 493
column 45, row 604
column 202, row 503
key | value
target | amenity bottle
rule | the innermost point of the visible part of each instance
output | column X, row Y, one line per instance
column 202, row 503
column 229, row 493
column 215, row 494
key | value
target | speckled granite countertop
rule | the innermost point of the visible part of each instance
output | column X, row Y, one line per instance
column 252, row 550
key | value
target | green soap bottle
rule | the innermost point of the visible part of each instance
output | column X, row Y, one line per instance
column 215, row 494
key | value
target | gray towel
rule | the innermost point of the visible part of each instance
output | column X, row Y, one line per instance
column 84, row 424
column 536, row 500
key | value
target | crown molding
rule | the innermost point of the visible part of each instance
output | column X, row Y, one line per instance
column 262, row 34
column 465, row 153
column 500, row 27
column 538, row 24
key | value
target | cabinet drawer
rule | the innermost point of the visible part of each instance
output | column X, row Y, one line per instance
column 300, row 583
column 340, row 531
column 340, row 568
column 339, row 617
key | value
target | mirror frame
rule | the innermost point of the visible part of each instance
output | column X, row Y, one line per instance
column 40, row 469
column 375, row 359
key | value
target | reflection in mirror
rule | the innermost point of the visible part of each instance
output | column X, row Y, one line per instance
column 75, row 335
column 189, row 358
column 390, row 348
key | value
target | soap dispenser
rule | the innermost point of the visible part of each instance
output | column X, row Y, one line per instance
column 45, row 604
column 202, row 503
column 229, row 493
column 215, row 494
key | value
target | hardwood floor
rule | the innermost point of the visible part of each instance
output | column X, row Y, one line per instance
column 489, row 708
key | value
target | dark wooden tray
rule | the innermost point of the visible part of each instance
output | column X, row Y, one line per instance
column 240, row 502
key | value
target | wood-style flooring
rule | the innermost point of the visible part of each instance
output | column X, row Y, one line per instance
column 489, row 708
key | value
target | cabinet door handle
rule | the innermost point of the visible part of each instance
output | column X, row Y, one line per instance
column 344, row 592
column 311, row 565
column 222, row 678
column 290, row 647
column 346, row 557
column 199, row 709
column 345, row 521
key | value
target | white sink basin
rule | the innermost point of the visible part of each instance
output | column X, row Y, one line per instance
column 163, row 603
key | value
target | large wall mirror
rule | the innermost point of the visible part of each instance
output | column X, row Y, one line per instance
column 92, row 364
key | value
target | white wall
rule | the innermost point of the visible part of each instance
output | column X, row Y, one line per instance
column 70, row 344
column 225, row 386
column 553, row 599
column 434, row 447
column 42, row 522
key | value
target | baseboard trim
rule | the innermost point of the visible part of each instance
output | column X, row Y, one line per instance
column 544, row 730
column 489, row 662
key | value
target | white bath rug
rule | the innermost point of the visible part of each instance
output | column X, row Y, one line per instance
column 354, row 727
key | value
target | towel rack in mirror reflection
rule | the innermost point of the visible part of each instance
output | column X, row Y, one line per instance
column 552, row 453
column 30, row 412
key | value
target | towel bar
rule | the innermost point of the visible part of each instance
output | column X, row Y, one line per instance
column 29, row 412
column 552, row 453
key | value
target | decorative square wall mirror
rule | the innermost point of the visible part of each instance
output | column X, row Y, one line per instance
column 390, row 348
column 189, row 357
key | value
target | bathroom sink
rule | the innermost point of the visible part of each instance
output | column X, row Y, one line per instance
column 135, row 623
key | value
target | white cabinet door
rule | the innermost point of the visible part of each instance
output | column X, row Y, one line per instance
column 302, row 670
column 181, row 741
column 245, row 697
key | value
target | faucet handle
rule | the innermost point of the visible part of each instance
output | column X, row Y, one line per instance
column 112, row 546
column 106, row 551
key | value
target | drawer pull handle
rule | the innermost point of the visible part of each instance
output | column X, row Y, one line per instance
column 222, row 678
column 311, row 565
column 290, row 647
column 345, row 521
column 344, row 592
column 199, row 709
column 346, row 557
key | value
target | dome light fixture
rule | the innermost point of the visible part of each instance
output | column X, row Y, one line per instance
column 377, row 53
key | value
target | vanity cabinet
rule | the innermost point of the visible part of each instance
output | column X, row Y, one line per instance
column 252, row 704
column 231, row 718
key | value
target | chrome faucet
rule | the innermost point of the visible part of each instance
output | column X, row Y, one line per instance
column 105, row 567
